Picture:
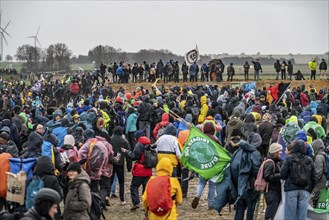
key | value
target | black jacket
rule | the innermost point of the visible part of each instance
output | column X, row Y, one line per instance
column 323, row 66
column 298, row 150
column 265, row 130
column 273, row 178
column 118, row 142
column 14, row 135
column 145, row 111
column 45, row 170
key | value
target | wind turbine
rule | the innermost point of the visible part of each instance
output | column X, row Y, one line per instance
column 3, row 33
column 36, row 38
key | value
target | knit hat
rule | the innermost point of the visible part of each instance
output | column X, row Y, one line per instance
column 69, row 140
column 237, row 114
column 139, row 134
column 76, row 116
column 57, row 112
column 275, row 147
column 74, row 166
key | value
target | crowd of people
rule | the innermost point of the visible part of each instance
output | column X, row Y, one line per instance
column 84, row 137
column 215, row 71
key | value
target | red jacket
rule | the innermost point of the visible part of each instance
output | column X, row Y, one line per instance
column 304, row 99
column 74, row 88
column 164, row 122
column 138, row 155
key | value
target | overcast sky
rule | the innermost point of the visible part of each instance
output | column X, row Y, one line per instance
column 268, row 27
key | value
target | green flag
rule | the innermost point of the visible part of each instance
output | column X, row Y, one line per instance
column 323, row 202
column 204, row 156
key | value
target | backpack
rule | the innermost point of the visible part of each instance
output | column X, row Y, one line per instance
column 289, row 133
column 260, row 184
column 327, row 166
column 35, row 185
column 158, row 198
column 300, row 171
column 96, row 208
column 5, row 215
column 26, row 165
column 161, row 132
column 122, row 119
column 195, row 112
column 94, row 158
column 150, row 156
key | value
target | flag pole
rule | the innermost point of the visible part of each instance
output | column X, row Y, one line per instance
column 283, row 94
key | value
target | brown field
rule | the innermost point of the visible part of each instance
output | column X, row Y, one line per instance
column 185, row 211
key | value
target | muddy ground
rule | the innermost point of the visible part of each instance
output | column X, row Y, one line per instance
column 116, row 211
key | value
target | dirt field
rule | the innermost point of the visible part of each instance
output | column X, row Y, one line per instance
column 117, row 212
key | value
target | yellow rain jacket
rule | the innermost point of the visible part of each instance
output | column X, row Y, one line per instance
column 203, row 110
column 164, row 168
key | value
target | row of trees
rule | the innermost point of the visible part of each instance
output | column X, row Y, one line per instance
column 59, row 57
column 55, row 57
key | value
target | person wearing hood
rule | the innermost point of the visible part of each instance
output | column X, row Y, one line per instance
column 320, row 169
column 220, row 134
column 140, row 173
column 7, row 145
column 321, row 119
column 78, row 199
column 49, row 149
column 161, row 126
column 146, row 112
column 61, row 131
column 204, row 109
column 265, row 131
column 248, row 125
column 33, row 148
column 46, row 171
column 56, row 121
column 45, row 207
column 316, row 127
column 118, row 141
column 244, row 167
column 165, row 168
column 301, row 135
column 168, row 146
column 6, row 121
column 296, row 194
column 234, row 123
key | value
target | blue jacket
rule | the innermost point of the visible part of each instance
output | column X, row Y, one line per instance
column 306, row 115
column 245, row 164
column 131, row 123
column 60, row 133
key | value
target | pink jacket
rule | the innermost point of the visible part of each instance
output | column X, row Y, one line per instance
column 108, row 167
column 98, row 158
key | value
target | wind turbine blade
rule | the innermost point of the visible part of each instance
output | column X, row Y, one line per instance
column 5, row 39
column 7, row 25
column 38, row 30
column 2, row 30
column 38, row 42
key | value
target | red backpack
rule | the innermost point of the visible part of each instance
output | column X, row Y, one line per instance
column 158, row 195
column 260, row 184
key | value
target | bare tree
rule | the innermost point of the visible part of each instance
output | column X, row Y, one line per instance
column 62, row 55
column 29, row 54
column 9, row 58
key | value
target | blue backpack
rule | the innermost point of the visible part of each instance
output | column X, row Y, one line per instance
column 35, row 185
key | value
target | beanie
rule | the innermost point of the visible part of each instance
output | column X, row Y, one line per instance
column 69, row 140
column 139, row 134
column 74, row 166
column 275, row 147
